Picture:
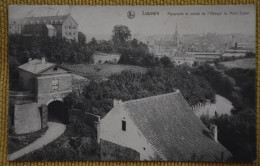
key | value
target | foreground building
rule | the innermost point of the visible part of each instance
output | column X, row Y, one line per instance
column 160, row 127
column 43, row 86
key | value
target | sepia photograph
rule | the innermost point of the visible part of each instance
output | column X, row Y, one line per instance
column 132, row 83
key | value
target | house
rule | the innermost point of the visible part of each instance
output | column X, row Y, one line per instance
column 63, row 26
column 160, row 127
column 15, row 26
column 43, row 86
column 100, row 57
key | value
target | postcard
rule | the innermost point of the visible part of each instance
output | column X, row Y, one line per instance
column 132, row 83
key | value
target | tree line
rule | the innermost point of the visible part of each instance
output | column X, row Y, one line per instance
column 237, row 132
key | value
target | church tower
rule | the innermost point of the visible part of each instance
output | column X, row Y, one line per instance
column 176, row 39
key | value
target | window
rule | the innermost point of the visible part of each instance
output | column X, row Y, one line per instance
column 123, row 125
column 69, row 33
column 74, row 27
column 69, row 27
column 54, row 84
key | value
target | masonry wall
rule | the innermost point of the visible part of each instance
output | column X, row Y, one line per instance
column 111, row 130
column 111, row 151
column 45, row 87
column 27, row 80
column 27, row 118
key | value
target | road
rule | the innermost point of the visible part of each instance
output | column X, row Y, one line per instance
column 54, row 131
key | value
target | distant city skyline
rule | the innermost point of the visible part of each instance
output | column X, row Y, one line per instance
column 100, row 20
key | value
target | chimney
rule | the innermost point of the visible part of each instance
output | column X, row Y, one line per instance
column 214, row 132
column 43, row 60
column 30, row 59
column 176, row 90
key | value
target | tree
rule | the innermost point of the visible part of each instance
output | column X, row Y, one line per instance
column 121, row 34
column 93, row 43
column 81, row 37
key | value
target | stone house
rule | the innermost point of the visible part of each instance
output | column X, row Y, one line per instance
column 63, row 26
column 43, row 85
column 160, row 127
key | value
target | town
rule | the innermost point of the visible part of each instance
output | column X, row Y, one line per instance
column 166, row 97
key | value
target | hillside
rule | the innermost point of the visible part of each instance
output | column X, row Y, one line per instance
column 93, row 71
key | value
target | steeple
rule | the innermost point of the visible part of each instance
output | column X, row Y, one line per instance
column 176, row 36
column 176, row 29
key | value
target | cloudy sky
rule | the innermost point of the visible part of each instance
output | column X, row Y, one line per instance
column 100, row 20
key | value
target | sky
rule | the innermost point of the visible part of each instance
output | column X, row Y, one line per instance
column 101, row 19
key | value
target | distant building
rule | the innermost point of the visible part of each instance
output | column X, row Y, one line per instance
column 15, row 26
column 235, row 53
column 181, row 59
column 161, row 48
column 100, row 58
column 61, row 26
column 160, row 127
column 203, row 57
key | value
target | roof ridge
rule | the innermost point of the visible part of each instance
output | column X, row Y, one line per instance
column 155, row 96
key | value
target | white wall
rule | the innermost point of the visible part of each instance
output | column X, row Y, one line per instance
column 111, row 130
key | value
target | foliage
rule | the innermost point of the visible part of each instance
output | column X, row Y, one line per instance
column 55, row 49
column 121, row 34
column 246, row 81
column 237, row 133
column 17, row 142
column 69, row 146
column 237, row 85
column 97, row 97
column 81, row 37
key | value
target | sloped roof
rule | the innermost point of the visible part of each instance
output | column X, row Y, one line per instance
column 36, row 66
column 173, row 129
column 46, row 19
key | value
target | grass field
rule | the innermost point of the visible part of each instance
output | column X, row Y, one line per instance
column 248, row 63
column 101, row 70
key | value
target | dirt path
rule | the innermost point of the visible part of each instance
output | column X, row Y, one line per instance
column 53, row 132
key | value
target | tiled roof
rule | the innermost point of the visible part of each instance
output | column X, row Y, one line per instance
column 46, row 19
column 36, row 66
column 173, row 129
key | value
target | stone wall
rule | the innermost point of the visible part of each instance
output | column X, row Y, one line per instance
column 27, row 118
column 111, row 151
